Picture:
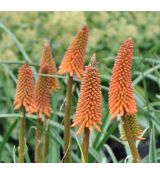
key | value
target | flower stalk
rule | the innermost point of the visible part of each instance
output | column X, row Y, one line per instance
column 46, row 140
column 89, row 109
column 130, row 139
column 67, row 122
column 38, row 141
column 121, row 97
column 85, row 146
column 21, row 147
column 43, row 91
column 24, row 100
column 72, row 64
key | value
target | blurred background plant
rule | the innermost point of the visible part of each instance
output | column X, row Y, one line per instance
column 22, row 35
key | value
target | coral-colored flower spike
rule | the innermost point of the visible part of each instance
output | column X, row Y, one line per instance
column 121, row 99
column 43, row 91
column 45, row 84
column 25, row 89
column 48, row 59
column 73, row 60
column 88, row 112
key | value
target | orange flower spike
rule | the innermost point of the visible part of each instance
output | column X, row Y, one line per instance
column 121, row 99
column 73, row 60
column 89, row 108
column 25, row 89
column 43, row 93
column 48, row 59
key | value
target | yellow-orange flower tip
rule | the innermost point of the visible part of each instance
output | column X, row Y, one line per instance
column 121, row 99
column 135, row 129
column 47, row 59
column 25, row 89
column 43, row 93
column 89, row 107
column 73, row 60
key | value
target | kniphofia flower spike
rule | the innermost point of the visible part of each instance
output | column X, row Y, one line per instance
column 121, row 99
column 25, row 89
column 43, row 93
column 89, row 112
column 73, row 60
column 47, row 59
column 45, row 84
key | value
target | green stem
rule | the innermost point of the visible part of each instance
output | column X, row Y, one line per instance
column 130, row 139
column 38, row 141
column 67, row 122
column 85, row 144
column 21, row 148
column 46, row 140
column 18, row 62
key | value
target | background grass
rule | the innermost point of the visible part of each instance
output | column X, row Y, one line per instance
column 21, row 38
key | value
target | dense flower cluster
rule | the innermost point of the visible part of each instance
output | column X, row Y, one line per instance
column 25, row 89
column 88, row 112
column 121, row 99
column 45, row 84
column 73, row 60
column 43, row 93
column 52, row 70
